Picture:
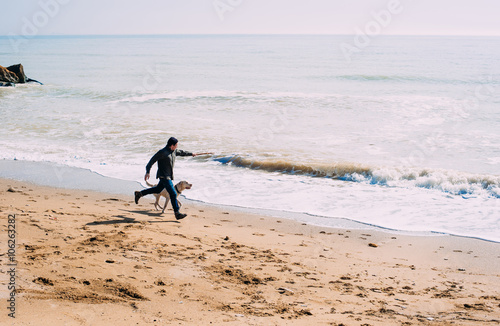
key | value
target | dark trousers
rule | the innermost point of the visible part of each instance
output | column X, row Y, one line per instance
column 164, row 184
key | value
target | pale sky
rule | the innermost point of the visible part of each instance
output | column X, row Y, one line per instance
column 389, row 17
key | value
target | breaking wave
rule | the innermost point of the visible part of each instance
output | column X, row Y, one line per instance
column 463, row 184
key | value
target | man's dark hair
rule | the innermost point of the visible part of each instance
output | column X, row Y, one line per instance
column 172, row 141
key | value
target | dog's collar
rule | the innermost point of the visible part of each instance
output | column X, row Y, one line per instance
column 177, row 189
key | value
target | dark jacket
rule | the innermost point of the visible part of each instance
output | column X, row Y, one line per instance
column 166, row 160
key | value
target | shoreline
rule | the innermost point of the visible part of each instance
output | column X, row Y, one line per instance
column 69, row 177
column 94, row 258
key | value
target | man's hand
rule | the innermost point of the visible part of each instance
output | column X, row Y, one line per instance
column 197, row 154
column 146, row 177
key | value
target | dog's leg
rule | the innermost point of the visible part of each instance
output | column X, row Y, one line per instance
column 166, row 203
column 157, row 202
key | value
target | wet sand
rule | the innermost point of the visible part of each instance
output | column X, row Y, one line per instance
column 88, row 258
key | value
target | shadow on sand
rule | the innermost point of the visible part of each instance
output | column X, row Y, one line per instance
column 119, row 219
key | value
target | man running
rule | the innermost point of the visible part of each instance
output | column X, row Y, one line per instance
column 166, row 160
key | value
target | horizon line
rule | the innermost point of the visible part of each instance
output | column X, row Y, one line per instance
column 239, row 34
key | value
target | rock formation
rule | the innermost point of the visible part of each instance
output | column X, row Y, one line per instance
column 14, row 75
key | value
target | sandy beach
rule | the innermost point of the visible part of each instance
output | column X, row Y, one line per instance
column 88, row 258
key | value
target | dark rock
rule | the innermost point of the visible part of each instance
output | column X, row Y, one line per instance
column 8, row 76
column 18, row 71
column 14, row 74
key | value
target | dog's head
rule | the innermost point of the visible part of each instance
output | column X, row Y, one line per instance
column 183, row 185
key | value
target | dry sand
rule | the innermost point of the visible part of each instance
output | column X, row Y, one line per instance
column 85, row 258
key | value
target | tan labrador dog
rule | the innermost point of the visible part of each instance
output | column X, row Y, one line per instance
column 179, row 187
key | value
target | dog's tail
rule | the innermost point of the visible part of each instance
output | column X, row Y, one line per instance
column 150, row 185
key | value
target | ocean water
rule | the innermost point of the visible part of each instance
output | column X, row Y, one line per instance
column 404, row 134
